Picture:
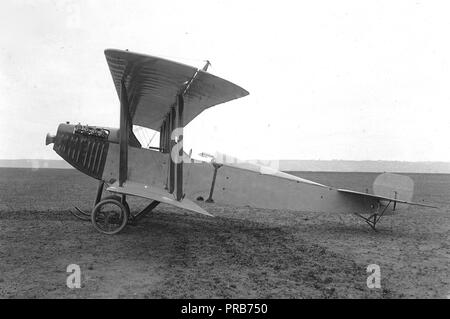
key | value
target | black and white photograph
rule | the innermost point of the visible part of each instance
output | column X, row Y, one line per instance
column 224, row 153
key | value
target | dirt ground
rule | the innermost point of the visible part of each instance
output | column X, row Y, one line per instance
column 241, row 253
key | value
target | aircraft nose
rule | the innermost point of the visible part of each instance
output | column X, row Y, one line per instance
column 49, row 139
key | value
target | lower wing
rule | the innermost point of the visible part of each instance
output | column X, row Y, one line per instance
column 155, row 193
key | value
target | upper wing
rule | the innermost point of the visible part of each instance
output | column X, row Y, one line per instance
column 153, row 83
column 382, row 197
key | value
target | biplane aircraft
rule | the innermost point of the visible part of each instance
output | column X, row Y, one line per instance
column 164, row 96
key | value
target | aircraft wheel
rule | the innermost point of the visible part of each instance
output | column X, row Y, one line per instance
column 110, row 216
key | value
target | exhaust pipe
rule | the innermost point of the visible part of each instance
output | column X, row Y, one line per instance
column 50, row 139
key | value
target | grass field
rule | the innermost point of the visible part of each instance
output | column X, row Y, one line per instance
column 241, row 253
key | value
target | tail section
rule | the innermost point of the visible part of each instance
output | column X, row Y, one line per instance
column 389, row 187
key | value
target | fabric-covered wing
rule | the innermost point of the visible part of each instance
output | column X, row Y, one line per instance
column 155, row 193
column 153, row 83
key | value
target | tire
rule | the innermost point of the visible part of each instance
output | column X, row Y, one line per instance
column 121, row 221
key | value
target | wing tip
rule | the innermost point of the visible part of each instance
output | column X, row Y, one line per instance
column 109, row 51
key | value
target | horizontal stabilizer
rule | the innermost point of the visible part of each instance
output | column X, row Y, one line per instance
column 391, row 187
column 155, row 193
column 382, row 198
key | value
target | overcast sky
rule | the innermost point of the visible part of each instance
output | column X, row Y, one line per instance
column 355, row 80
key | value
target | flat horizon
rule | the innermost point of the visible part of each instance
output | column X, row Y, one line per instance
column 361, row 166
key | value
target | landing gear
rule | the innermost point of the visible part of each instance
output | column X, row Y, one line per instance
column 373, row 219
column 112, row 220
column 112, row 213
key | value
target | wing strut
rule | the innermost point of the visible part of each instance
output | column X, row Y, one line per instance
column 124, row 135
column 171, row 142
column 179, row 158
column 171, row 147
